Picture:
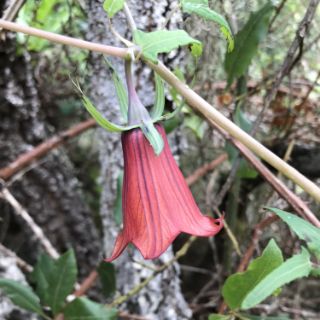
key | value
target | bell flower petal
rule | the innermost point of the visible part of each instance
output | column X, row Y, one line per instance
column 157, row 202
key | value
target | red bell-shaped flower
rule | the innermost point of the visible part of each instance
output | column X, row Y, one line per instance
column 157, row 202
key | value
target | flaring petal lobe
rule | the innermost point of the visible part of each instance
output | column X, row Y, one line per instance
column 157, row 202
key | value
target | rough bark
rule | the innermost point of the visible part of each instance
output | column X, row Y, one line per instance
column 49, row 191
column 162, row 298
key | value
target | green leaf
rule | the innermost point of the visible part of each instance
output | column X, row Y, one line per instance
column 315, row 272
column 153, row 43
column 153, row 136
column 158, row 107
column 40, row 275
column 107, row 275
column 201, row 8
column 245, row 170
column 219, row 317
column 241, row 120
column 21, row 295
column 50, row 15
column 61, row 280
column 238, row 286
column 83, row 308
column 303, row 229
column 113, row 6
column 246, row 43
column 294, row 268
column 120, row 90
column 196, row 124
column 118, row 202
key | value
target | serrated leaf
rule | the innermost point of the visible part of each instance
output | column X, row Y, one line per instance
column 107, row 273
column 40, row 275
column 61, row 280
column 201, row 8
column 83, row 308
column 21, row 295
column 302, row 228
column 153, row 136
column 294, row 268
column 113, row 6
column 247, row 41
column 162, row 41
column 158, row 107
column 239, row 285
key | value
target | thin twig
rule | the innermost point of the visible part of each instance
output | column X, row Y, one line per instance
column 42, row 149
column 129, row 16
column 297, row 204
column 20, row 211
column 291, row 59
column 203, row 170
column 276, row 14
column 23, row 265
column 57, row 38
column 144, row 283
column 285, row 70
column 11, row 12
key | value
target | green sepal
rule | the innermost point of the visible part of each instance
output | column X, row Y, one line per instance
column 158, row 106
column 120, row 90
column 103, row 122
column 172, row 114
column 153, row 136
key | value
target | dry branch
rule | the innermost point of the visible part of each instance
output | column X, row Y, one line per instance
column 37, row 231
column 42, row 149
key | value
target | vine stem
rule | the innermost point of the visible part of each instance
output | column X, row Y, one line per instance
column 74, row 42
column 191, row 97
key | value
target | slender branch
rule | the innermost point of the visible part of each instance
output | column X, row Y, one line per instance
column 200, row 172
column 192, row 98
column 144, row 283
column 87, row 283
column 20, row 263
column 20, row 211
column 290, row 60
column 12, row 10
column 129, row 16
column 297, row 204
column 42, row 149
column 57, row 38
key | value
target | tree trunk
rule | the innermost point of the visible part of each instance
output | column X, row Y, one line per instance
column 49, row 190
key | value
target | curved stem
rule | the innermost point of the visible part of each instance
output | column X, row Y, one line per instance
column 53, row 37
